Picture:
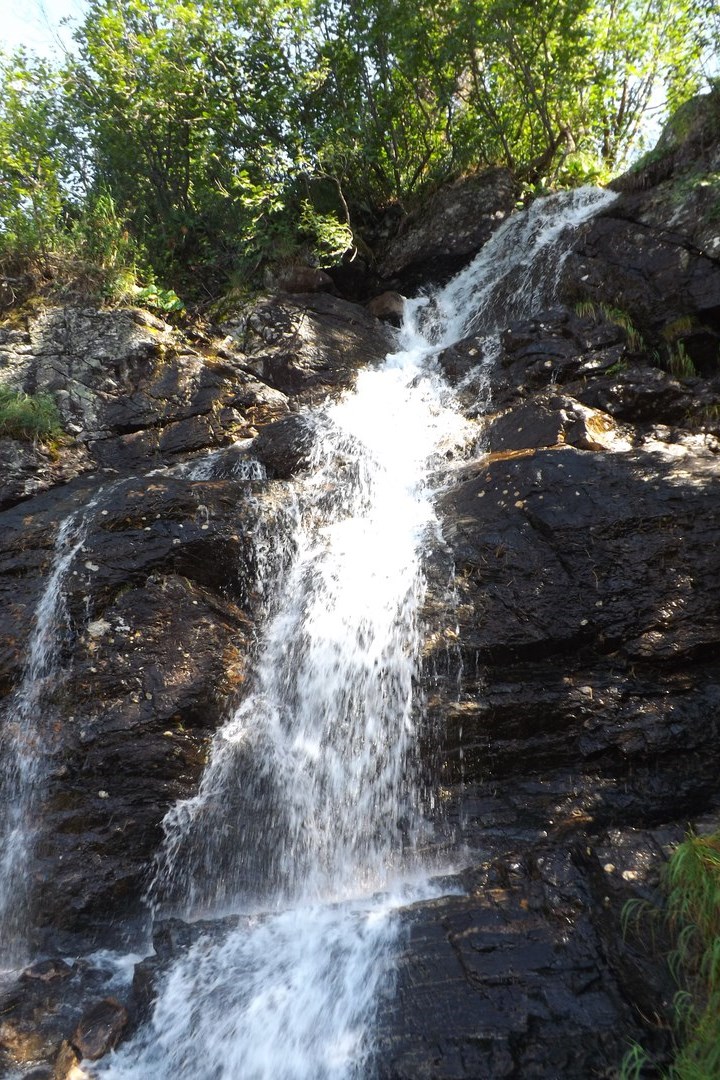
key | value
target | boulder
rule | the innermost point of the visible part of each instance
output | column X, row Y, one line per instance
column 100, row 1028
column 388, row 307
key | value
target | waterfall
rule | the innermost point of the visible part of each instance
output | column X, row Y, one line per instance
column 306, row 828
column 27, row 739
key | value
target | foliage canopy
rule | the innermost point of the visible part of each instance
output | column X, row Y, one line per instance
column 190, row 141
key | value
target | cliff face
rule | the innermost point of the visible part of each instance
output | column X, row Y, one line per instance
column 571, row 673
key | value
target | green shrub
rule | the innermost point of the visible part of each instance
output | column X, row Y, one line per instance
column 692, row 885
column 28, row 416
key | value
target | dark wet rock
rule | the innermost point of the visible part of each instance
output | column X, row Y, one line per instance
column 449, row 229
column 308, row 346
column 41, row 1019
column 160, row 627
column 47, row 971
column 555, row 420
column 100, row 1028
column 388, row 307
column 659, row 278
column 27, row 468
column 283, row 447
column 559, row 527
column 517, row 974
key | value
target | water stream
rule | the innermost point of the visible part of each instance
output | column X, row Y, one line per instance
column 307, row 828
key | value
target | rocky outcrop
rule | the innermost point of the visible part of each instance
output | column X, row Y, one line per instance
column 655, row 253
column 451, row 227
column 133, row 392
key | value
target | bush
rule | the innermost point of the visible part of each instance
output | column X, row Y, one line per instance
column 28, row 416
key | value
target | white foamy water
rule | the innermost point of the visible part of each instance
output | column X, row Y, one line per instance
column 308, row 816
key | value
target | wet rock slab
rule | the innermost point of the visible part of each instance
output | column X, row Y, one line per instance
column 520, row 973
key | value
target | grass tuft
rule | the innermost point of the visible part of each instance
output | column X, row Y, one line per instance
column 692, row 886
column 28, row 416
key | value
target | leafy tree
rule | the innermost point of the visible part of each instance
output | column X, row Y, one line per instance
column 37, row 166
column 193, row 140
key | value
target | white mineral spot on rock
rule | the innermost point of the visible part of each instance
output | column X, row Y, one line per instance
column 519, row 504
column 598, row 603
column 147, row 529
column 175, row 540
column 98, row 627
column 91, row 566
column 609, row 867
column 102, row 794
column 481, row 494
column 206, row 526
column 104, row 513
column 583, row 622
column 586, row 690
column 630, row 875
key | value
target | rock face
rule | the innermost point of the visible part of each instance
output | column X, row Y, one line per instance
column 571, row 670
column 434, row 244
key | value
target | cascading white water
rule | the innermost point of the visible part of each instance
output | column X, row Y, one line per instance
column 25, row 742
column 307, row 816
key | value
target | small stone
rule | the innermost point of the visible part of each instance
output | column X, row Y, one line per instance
column 102, row 794
column 609, row 868
column 91, row 566
column 47, row 971
column 100, row 1029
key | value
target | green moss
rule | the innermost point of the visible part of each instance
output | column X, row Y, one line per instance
column 28, row 416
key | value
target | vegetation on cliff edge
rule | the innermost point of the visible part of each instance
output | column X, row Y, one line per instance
column 192, row 143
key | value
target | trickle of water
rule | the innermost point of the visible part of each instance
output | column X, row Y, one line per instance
column 25, row 742
column 308, row 814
